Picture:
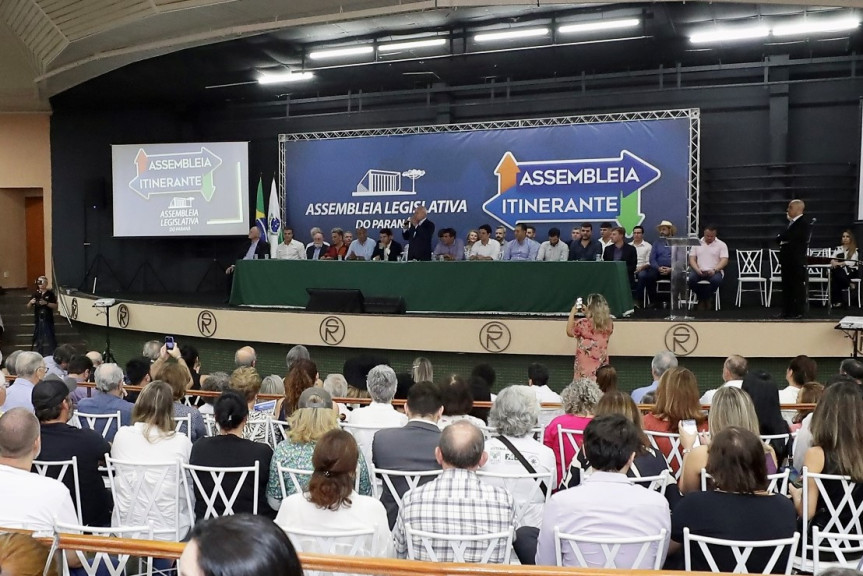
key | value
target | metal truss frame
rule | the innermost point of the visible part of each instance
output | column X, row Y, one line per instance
column 692, row 114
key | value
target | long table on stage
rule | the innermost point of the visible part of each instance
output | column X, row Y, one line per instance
column 446, row 287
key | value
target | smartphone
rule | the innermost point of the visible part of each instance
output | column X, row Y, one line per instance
column 169, row 343
column 690, row 427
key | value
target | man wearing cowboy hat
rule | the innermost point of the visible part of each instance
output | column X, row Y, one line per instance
column 660, row 260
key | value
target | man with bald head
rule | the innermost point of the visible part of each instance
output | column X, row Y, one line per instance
column 733, row 370
column 418, row 231
column 245, row 357
column 793, row 242
column 456, row 500
column 29, row 500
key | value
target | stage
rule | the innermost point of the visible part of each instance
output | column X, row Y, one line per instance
column 751, row 330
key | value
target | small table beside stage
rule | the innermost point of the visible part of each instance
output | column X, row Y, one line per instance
column 438, row 287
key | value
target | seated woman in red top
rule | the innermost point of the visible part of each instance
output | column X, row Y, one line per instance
column 579, row 400
column 676, row 400
column 338, row 249
column 592, row 333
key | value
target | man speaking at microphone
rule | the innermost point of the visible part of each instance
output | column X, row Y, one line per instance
column 418, row 231
column 793, row 242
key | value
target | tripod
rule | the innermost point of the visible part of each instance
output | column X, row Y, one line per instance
column 107, row 355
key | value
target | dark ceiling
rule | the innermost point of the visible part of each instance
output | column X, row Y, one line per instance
column 224, row 75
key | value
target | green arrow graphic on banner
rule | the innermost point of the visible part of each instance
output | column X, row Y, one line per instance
column 207, row 187
column 630, row 211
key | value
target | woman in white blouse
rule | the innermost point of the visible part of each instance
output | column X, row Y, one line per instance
column 332, row 505
column 843, row 267
column 151, row 439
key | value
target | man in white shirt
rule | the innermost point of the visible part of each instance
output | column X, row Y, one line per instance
column 707, row 262
column 537, row 379
column 553, row 250
column 642, row 264
column 486, row 248
column 733, row 370
column 291, row 248
column 362, row 248
column 801, row 369
column 30, row 501
column 605, row 235
column 381, row 383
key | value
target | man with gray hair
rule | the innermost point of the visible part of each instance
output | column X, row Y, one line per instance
column 457, row 500
column 30, row 368
column 364, row 422
column 661, row 362
column 29, row 500
column 298, row 352
column 108, row 398
column 151, row 350
column 10, row 363
column 733, row 370
column 245, row 357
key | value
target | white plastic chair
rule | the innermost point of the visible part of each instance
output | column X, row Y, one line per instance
column 853, row 545
column 144, row 483
column 658, row 483
column 776, row 483
column 44, row 467
column 775, row 275
column 819, row 282
column 651, row 550
column 180, row 422
column 674, row 455
column 567, row 436
column 101, row 423
column 341, row 542
column 281, row 428
column 259, row 431
column 741, row 549
column 299, row 479
column 217, row 495
column 526, row 500
column 364, row 435
column 473, row 548
column 407, row 479
column 210, row 424
column 114, row 564
column 749, row 272
column 786, row 442
column 851, row 526
column 693, row 300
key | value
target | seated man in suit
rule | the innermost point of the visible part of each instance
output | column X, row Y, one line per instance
column 317, row 248
column 619, row 250
column 387, row 249
column 411, row 447
column 256, row 248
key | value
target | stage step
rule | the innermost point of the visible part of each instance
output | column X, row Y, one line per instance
column 18, row 324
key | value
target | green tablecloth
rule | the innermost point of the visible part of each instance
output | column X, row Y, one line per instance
column 465, row 287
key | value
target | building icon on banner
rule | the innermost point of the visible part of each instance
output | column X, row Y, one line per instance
column 387, row 183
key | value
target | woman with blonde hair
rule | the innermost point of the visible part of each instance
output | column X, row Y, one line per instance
column 677, row 399
column 592, row 333
column 731, row 406
column 178, row 377
column 331, row 503
column 314, row 417
column 471, row 239
column 579, row 400
column 843, row 267
column 151, row 439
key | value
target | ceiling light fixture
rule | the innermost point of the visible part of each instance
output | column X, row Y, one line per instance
column 817, row 26
column 511, row 34
column 411, row 45
column 730, row 34
column 282, row 77
column 599, row 25
column 339, row 52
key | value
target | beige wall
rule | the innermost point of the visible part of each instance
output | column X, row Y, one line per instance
column 25, row 169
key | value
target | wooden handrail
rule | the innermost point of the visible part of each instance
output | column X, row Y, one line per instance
column 346, row 564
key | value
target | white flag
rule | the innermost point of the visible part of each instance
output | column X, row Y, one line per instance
column 274, row 221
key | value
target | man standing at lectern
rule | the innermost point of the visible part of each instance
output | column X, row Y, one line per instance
column 418, row 232
column 793, row 242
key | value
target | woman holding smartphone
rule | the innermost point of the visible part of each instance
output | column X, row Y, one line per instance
column 592, row 333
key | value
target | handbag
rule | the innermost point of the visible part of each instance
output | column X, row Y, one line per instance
column 520, row 457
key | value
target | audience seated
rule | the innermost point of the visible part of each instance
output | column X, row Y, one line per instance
column 579, row 400
column 58, row 363
column 606, row 378
column 301, row 376
column 9, row 365
column 30, row 368
column 801, row 369
column 482, row 381
column 63, row 442
column 241, row 545
column 422, row 370
column 313, row 418
column 731, row 407
column 108, row 398
column 152, row 439
column 457, row 502
column 138, row 374
column 381, row 384
column 606, row 504
column 177, row 376
column 78, row 371
column 411, row 447
column 228, row 450
column 331, row 503
column 273, row 384
column 676, row 400
column 537, row 379
column 737, row 509
column 512, row 450
column 733, row 370
column 457, row 402
column 810, row 393
column 661, row 362
column 245, row 357
column 298, row 352
column 337, row 387
column 214, row 382
column 760, row 387
column 247, row 382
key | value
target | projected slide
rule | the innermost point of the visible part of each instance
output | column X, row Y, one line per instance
column 181, row 189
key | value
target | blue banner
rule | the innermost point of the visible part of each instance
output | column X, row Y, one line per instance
column 630, row 173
